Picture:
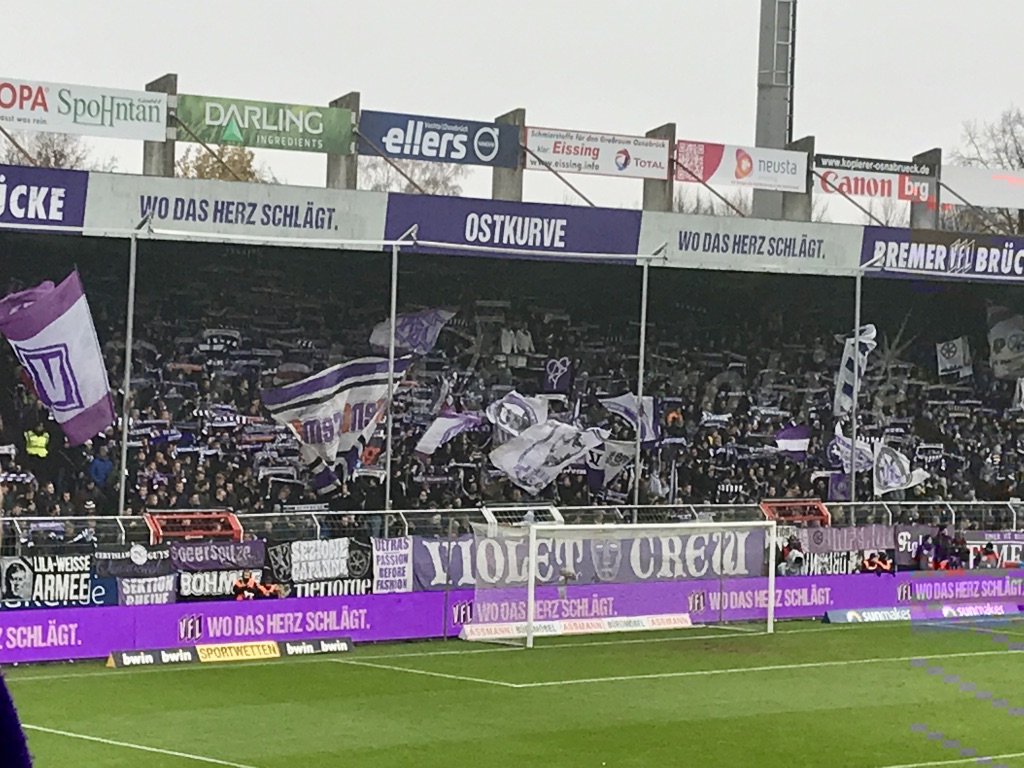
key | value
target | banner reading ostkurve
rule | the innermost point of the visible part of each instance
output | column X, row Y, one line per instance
column 266, row 125
column 51, row 331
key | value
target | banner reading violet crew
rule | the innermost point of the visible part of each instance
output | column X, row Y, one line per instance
column 497, row 225
column 43, row 197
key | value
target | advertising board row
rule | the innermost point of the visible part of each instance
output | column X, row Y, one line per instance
column 68, row 633
column 104, row 204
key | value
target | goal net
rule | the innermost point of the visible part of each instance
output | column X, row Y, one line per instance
column 541, row 579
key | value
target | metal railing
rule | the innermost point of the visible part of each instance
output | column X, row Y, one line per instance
column 316, row 521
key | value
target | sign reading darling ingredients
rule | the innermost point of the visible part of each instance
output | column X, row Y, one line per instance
column 265, row 125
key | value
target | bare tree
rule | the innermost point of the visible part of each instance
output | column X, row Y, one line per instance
column 999, row 144
column 378, row 175
column 889, row 211
column 54, row 150
column 702, row 203
column 197, row 163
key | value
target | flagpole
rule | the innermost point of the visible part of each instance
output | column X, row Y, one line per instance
column 129, row 343
column 640, row 383
column 391, row 373
column 856, row 388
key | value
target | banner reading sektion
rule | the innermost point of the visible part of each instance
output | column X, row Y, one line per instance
column 440, row 139
column 934, row 253
column 84, row 110
column 157, row 590
column 265, row 125
column 211, row 210
column 216, row 555
column 42, row 197
column 750, row 245
column 781, row 170
column 494, row 226
column 604, row 154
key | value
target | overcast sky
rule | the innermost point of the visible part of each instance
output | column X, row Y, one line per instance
column 878, row 78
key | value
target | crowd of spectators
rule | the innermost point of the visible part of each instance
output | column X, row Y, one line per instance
column 732, row 358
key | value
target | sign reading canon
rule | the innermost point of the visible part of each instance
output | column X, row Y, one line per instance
column 866, row 177
column 441, row 139
column 603, row 154
column 33, row 105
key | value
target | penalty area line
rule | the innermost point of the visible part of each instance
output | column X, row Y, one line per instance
column 138, row 747
column 443, row 675
column 976, row 760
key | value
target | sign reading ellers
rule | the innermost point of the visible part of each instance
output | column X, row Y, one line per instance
column 440, row 139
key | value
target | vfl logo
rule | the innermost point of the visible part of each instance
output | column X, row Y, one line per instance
column 190, row 628
column 462, row 612
column 961, row 257
column 696, row 602
column 281, row 561
column 903, row 593
column 55, row 382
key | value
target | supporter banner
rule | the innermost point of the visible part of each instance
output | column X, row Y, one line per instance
column 210, row 584
column 42, row 197
column 604, row 154
column 156, row 590
column 84, row 110
column 216, row 555
column 757, row 167
column 209, row 210
column 132, row 561
column 869, row 538
column 1005, row 334
column 462, row 562
column 319, row 560
column 831, row 563
column 392, row 565
column 74, row 633
column 983, row 187
column 44, row 635
column 441, row 139
column 752, row 245
column 494, row 226
column 344, row 587
column 46, row 581
column 932, row 252
column 265, row 125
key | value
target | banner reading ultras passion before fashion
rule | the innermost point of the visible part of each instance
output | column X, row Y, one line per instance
column 84, row 110
column 604, row 154
column 266, row 125
column 71, row 633
column 210, row 210
column 42, row 197
column 757, row 167
column 953, row 255
column 752, row 245
column 497, row 226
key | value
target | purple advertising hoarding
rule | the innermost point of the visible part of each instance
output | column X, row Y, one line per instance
column 938, row 254
column 497, row 225
column 42, row 197
column 50, row 634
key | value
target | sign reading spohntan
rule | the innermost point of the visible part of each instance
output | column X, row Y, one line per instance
column 83, row 110
column 265, row 125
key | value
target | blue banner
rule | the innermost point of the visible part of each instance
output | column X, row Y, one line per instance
column 439, row 139
column 934, row 253
column 42, row 197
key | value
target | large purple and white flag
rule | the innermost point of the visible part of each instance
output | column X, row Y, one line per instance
column 647, row 415
column 856, row 349
column 515, row 413
column 793, row 441
column 330, row 411
column 51, row 330
column 415, row 332
column 444, row 428
column 534, row 458
column 607, row 461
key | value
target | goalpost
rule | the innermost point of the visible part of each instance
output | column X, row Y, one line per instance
column 542, row 579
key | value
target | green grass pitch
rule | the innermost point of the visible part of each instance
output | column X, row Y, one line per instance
column 844, row 696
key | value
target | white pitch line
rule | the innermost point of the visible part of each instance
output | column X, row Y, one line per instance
column 392, row 668
column 139, row 747
column 747, row 670
column 977, row 760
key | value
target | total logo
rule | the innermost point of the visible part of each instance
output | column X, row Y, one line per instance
column 623, row 159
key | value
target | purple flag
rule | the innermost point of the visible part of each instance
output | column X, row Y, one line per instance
column 793, row 441
column 444, row 428
column 51, row 330
column 557, row 375
column 415, row 332
column 838, row 486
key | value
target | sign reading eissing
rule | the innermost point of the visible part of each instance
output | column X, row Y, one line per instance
column 33, row 105
column 265, row 125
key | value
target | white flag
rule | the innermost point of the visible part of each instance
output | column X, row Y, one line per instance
column 626, row 407
column 954, row 356
column 533, row 459
column 892, row 471
column 515, row 413
column 415, row 332
column 444, row 428
column 861, row 347
column 1006, row 353
column 610, row 458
